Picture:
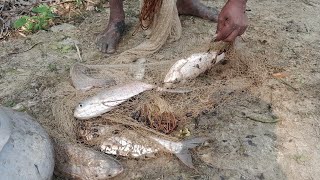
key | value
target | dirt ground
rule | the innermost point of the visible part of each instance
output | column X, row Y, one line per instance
column 285, row 35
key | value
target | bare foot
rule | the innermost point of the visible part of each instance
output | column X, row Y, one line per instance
column 196, row 8
column 109, row 39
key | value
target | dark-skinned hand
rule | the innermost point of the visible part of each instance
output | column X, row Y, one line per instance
column 232, row 21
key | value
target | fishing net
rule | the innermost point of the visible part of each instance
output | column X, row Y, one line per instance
column 153, row 113
column 165, row 26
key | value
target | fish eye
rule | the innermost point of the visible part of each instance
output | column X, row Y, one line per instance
column 80, row 105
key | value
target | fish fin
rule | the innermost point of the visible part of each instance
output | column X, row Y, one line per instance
column 219, row 58
column 184, row 155
column 185, row 158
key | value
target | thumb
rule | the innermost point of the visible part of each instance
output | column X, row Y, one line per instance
column 217, row 36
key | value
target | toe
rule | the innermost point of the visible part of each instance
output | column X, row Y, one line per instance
column 111, row 50
column 102, row 46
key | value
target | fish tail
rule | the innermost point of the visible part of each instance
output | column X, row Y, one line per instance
column 184, row 154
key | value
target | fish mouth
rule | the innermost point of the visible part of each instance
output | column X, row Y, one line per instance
column 81, row 116
column 116, row 172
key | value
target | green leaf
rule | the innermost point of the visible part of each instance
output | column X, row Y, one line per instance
column 29, row 26
column 41, row 9
column 20, row 22
column 36, row 27
column 44, row 25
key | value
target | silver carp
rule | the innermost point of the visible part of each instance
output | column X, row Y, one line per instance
column 76, row 162
column 191, row 67
column 128, row 143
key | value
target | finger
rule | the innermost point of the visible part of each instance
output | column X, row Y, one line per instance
column 224, row 33
column 232, row 36
column 242, row 30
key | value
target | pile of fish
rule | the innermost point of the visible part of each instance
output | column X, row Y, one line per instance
column 111, row 97
column 27, row 152
column 128, row 142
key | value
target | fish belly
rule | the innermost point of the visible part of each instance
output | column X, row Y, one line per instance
column 124, row 147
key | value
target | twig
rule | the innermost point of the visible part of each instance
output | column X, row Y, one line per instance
column 78, row 52
column 25, row 50
column 287, row 84
column 65, row 2
column 257, row 117
column 307, row 2
column 262, row 119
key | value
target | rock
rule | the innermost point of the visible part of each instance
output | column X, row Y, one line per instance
column 65, row 27
column 5, row 128
column 74, row 161
column 28, row 153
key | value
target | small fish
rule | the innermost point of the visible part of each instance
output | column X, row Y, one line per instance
column 131, row 144
column 110, row 98
column 83, row 82
column 191, row 67
column 76, row 162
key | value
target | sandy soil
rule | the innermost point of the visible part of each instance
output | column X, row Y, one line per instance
column 283, row 34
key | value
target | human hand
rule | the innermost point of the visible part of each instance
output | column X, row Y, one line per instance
column 232, row 21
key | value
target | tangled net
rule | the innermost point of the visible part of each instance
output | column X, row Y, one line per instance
column 157, row 114
column 148, row 11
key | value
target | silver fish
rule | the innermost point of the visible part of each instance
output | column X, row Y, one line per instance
column 191, row 67
column 75, row 161
column 109, row 99
column 131, row 144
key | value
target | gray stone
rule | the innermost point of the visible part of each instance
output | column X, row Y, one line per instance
column 28, row 153
column 65, row 27
column 5, row 128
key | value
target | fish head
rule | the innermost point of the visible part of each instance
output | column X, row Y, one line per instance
column 90, row 108
column 105, row 169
